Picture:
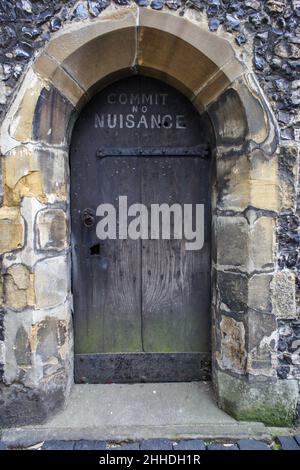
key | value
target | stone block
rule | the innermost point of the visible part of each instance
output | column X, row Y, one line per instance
column 248, row 180
column 288, row 176
column 252, row 444
column 153, row 55
column 18, row 287
column 272, row 402
column 90, row 445
column 233, row 183
column 262, row 344
column 48, row 68
column 1, row 292
column 208, row 44
column 24, row 108
column 259, row 292
column 262, row 244
column 283, row 294
column 51, row 225
column 11, row 229
column 261, row 125
column 193, row 444
column 233, row 349
column 232, row 234
column 58, row 445
column 20, row 405
column 233, row 291
column 156, row 444
column 75, row 50
column 131, row 446
column 53, row 118
column 217, row 446
column 38, row 173
column 288, row 443
column 263, row 181
column 51, row 282
column 229, row 118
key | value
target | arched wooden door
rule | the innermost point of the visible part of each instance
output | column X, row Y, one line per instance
column 141, row 306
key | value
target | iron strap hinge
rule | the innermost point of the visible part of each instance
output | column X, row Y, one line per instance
column 201, row 151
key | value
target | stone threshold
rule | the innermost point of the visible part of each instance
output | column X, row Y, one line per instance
column 123, row 412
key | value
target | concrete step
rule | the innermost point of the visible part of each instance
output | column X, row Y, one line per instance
column 120, row 412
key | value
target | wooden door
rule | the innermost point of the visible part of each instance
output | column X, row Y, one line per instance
column 141, row 307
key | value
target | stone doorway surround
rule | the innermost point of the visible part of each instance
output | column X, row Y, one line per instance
column 36, row 340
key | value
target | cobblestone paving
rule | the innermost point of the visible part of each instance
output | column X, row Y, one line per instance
column 280, row 443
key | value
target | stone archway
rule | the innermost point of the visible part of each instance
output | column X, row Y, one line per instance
column 80, row 60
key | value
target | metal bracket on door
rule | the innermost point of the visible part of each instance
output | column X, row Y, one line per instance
column 201, row 151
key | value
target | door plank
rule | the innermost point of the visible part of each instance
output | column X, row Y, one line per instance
column 175, row 282
column 108, row 297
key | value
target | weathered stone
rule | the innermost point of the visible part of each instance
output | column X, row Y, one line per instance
column 216, row 446
column 233, row 354
column 58, row 445
column 52, row 229
column 213, row 24
column 248, row 181
column 263, row 184
column 38, row 173
column 47, row 67
column 194, row 444
column 276, row 6
column 232, row 241
column 1, row 325
column 288, row 443
column 16, row 402
column 47, row 339
column 1, row 297
column 262, row 344
column 262, row 243
column 283, row 294
column 96, row 6
column 233, row 291
column 130, row 446
column 80, row 12
column 229, row 118
column 11, row 229
column 287, row 50
column 233, row 183
column 90, row 445
column 156, row 444
column 22, row 120
column 18, row 285
column 288, row 168
column 259, row 295
column 51, row 282
column 22, row 348
column 252, row 444
column 53, row 116
column 270, row 402
column 55, row 24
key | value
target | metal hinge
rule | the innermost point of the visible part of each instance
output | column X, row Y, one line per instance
column 201, row 151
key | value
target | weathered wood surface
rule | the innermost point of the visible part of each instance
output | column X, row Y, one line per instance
column 135, row 296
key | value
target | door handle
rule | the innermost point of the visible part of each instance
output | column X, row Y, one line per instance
column 88, row 218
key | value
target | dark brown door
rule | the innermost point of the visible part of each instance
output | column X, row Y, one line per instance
column 141, row 306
